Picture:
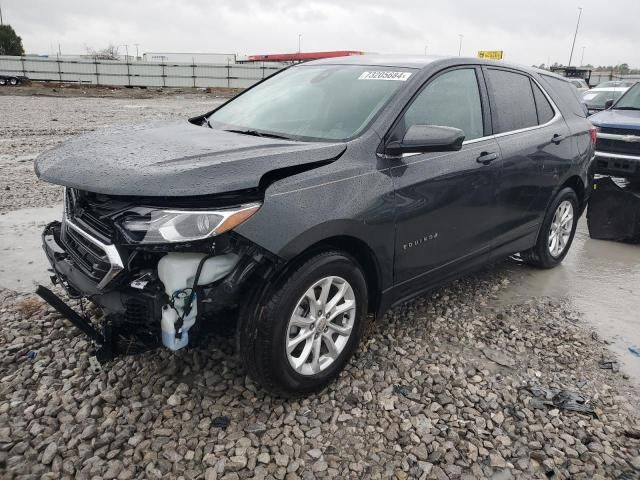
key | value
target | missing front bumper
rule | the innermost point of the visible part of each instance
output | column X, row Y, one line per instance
column 130, row 322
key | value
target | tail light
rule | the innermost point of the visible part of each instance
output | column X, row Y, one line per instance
column 593, row 131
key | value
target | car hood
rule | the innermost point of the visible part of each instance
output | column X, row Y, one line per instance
column 629, row 119
column 173, row 159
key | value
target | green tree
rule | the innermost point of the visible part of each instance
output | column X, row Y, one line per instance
column 623, row 68
column 10, row 43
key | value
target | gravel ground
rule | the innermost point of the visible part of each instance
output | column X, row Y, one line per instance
column 31, row 125
column 440, row 388
column 419, row 400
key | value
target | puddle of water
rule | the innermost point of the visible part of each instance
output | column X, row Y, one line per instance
column 602, row 279
column 24, row 264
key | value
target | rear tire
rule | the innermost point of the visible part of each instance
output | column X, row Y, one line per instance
column 556, row 233
column 13, row 81
column 3, row 81
column 289, row 343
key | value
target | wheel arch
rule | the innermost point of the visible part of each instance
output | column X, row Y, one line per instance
column 357, row 248
column 577, row 185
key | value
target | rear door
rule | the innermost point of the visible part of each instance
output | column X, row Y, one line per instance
column 445, row 201
column 536, row 145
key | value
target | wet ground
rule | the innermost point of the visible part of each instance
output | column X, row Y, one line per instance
column 602, row 279
column 24, row 263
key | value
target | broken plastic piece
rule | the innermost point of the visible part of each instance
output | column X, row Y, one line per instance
column 221, row 422
column 635, row 350
column 563, row 399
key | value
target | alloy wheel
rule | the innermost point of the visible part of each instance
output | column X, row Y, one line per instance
column 560, row 229
column 320, row 325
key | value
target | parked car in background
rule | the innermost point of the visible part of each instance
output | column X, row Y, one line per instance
column 596, row 98
column 579, row 83
column 618, row 144
column 330, row 190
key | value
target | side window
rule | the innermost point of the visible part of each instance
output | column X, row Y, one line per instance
column 451, row 100
column 512, row 105
column 568, row 95
column 545, row 110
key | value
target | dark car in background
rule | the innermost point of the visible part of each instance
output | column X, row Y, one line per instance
column 618, row 144
column 331, row 190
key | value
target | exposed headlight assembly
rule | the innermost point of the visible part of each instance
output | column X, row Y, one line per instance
column 145, row 225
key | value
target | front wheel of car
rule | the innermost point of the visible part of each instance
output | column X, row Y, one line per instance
column 297, row 336
column 556, row 233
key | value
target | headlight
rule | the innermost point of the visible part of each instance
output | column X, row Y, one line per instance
column 149, row 225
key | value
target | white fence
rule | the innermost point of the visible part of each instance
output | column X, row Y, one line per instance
column 147, row 74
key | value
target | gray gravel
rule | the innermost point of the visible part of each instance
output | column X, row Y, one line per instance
column 31, row 125
column 438, row 389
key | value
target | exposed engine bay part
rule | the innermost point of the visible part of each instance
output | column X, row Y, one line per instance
column 63, row 309
column 614, row 211
column 181, row 273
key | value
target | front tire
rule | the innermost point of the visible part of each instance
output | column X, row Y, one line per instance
column 556, row 233
column 296, row 337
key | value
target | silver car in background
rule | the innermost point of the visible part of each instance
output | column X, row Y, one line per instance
column 596, row 99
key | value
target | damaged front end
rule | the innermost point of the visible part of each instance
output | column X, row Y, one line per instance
column 161, row 274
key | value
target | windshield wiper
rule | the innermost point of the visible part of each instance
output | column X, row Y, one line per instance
column 626, row 108
column 256, row 133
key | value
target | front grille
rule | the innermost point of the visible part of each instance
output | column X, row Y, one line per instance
column 87, row 211
column 90, row 258
column 87, row 239
column 618, row 146
column 620, row 131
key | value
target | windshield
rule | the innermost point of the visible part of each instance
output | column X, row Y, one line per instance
column 599, row 99
column 630, row 100
column 323, row 102
column 608, row 85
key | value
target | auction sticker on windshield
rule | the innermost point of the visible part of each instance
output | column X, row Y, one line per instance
column 382, row 75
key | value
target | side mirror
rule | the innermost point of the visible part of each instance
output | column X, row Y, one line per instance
column 427, row 138
column 608, row 104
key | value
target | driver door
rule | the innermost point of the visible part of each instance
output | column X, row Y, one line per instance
column 446, row 202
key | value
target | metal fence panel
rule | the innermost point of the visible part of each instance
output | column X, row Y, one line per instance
column 149, row 74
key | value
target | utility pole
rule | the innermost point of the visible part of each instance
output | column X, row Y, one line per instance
column 1, row 16
column 575, row 35
column 582, row 57
column 137, row 45
column 460, row 47
column 299, row 42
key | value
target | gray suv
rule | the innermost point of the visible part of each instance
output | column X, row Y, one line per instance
column 329, row 191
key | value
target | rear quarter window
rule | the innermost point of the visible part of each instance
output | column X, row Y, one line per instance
column 565, row 94
column 545, row 110
column 512, row 104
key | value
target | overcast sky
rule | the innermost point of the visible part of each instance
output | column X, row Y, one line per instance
column 529, row 31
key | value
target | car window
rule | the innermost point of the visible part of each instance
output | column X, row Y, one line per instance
column 544, row 108
column 561, row 89
column 630, row 100
column 451, row 100
column 313, row 102
column 513, row 106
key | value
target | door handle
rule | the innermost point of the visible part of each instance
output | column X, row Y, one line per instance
column 557, row 138
column 487, row 157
